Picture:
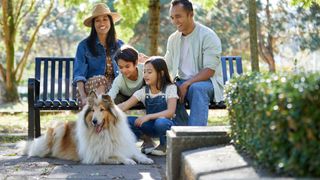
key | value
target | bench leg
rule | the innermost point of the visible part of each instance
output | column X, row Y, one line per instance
column 31, row 121
column 37, row 123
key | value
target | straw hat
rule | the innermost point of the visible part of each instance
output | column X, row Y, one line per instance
column 101, row 9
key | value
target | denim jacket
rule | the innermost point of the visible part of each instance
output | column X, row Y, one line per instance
column 86, row 65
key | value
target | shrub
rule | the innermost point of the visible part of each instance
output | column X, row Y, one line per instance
column 276, row 119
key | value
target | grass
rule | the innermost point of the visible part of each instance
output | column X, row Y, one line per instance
column 18, row 122
column 13, row 121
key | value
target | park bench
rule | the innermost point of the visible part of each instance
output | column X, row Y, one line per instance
column 52, row 88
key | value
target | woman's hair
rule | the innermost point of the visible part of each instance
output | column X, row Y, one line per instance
column 111, row 40
column 163, row 77
column 127, row 53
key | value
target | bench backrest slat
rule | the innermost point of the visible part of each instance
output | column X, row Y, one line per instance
column 67, row 79
column 231, row 70
column 53, row 75
column 60, row 80
column 230, row 60
column 45, row 81
column 239, row 65
column 224, row 69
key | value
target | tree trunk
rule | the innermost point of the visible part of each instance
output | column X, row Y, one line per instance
column 253, row 36
column 10, row 73
column 266, row 50
column 9, row 31
column 154, row 25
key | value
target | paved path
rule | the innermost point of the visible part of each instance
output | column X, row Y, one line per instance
column 13, row 166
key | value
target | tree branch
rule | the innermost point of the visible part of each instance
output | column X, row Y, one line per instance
column 2, row 72
column 18, row 11
column 20, row 67
column 19, row 18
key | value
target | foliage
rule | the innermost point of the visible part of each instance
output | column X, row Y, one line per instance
column 305, row 3
column 131, row 12
column 21, row 22
column 276, row 119
column 207, row 5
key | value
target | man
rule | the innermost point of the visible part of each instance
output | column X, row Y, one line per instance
column 193, row 58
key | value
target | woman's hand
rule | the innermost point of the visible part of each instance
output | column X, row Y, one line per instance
column 142, row 58
column 83, row 101
column 141, row 120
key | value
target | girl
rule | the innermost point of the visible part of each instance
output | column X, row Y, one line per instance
column 94, row 67
column 159, row 95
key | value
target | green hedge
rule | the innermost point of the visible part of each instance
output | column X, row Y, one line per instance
column 276, row 119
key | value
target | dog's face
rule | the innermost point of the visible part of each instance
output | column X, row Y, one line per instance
column 99, row 113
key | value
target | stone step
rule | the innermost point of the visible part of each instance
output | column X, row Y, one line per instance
column 184, row 138
column 217, row 162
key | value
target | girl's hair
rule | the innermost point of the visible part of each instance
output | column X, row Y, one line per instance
column 127, row 53
column 111, row 40
column 163, row 77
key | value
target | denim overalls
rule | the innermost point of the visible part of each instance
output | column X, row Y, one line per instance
column 157, row 127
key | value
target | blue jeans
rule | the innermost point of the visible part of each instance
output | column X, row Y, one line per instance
column 198, row 96
column 153, row 128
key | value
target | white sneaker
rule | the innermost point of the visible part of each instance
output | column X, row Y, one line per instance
column 147, row 148
column 159, row 151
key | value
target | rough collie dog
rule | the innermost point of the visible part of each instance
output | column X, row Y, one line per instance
column 100, row 135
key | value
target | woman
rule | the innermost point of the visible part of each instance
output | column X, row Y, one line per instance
column 94, row 67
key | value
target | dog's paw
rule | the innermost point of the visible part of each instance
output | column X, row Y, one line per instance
column 129, row 162
column 145, row 160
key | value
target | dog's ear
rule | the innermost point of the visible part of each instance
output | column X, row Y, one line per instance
column 107, row 100
column 92, row 97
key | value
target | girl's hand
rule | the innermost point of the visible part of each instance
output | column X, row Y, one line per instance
column 141, row 120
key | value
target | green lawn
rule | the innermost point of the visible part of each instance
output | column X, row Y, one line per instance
column 18, row 122
column 14, row 119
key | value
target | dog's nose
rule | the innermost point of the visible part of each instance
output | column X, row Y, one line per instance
column 94, row 121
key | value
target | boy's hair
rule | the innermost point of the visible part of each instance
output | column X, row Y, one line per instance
column 159, row 64
column 187, row 5
column 126, row 53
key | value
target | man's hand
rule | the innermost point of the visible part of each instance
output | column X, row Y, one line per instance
column 141, row 120
column 183, row 88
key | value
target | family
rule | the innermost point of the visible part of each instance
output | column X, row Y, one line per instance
column 190, row 71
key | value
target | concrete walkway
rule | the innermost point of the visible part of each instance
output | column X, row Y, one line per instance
column 13, row 166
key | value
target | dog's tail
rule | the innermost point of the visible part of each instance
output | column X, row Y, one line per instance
column 40, row 147
column 23, row 147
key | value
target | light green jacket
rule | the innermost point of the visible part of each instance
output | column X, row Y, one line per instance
column 206, row 47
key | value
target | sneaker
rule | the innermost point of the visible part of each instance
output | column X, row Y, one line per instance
column 147, row 147
column 159, row 151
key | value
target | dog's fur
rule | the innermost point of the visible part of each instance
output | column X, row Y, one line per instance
column 100, row 135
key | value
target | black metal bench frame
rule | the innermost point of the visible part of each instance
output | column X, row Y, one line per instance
column 62, row 93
